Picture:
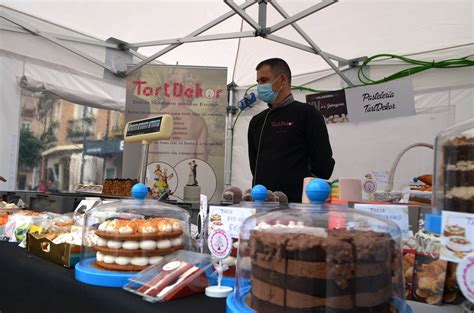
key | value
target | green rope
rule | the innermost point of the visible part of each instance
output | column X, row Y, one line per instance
column 419, row 66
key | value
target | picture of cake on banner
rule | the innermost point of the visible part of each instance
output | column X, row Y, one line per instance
column 457, row 236
column 196, row 98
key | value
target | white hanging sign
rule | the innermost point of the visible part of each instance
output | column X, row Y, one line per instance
column 376, row 102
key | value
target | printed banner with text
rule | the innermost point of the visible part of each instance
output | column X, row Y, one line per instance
column 376, row 102
column 331, row 104
column 196, row 97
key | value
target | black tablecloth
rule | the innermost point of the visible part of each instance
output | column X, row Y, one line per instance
column 29, row 284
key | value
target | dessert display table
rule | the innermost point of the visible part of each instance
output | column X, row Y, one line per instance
column 31, row 284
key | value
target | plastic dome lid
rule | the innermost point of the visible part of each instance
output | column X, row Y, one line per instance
column 319, row 258
column 126, row 236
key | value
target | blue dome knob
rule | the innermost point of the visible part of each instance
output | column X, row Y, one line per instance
column 259, row 193
column 318, row 190
column 139, row 191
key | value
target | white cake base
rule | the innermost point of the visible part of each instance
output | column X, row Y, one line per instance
column 192, row 193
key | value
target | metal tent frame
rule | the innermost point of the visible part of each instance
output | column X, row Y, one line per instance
column 260, row 30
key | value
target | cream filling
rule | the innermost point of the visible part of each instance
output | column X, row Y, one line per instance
column 125, row 260
column 176, row 242
column 131, row 245
column 139, row 260
column 148, row 245
column 461, row 166
column 461, row 192
column 113, row 244
column 101, row 242
column 292, row 227
column 163, row 244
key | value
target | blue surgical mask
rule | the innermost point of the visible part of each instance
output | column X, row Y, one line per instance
column 266, row 93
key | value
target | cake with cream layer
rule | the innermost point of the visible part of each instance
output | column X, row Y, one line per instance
column 302, row 269
column 458, row 178
column 132, row 245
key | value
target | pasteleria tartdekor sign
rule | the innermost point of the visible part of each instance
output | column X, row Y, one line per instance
column 381, row 101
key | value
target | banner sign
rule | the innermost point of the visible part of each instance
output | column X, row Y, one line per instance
column 331, row 104
column 376, row 102
column 196, row 97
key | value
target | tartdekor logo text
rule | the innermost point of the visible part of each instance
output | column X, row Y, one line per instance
column 175, row 89
column 378, row 106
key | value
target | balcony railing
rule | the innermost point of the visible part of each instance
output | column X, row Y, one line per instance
column 80, row 129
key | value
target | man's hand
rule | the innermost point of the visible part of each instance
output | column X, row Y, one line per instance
column 2, row 179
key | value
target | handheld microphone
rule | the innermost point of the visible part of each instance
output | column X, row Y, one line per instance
column 247, row 101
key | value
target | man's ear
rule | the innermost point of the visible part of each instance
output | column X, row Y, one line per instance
column 286, row 81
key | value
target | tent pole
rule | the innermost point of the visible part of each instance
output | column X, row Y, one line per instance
column 52, row 39
column 233, row 35
column 262, row 14
column 243, row 14
column 197, row 32
column 290, row 20
column 91, row 42
column 229, row 135
column 303, row 33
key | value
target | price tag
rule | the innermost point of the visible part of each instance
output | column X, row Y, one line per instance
column 395, row 213
column 220, row 243
column 228, row 218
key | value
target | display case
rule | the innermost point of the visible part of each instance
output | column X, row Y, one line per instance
column 126, row 236
column 454, row 169
column 318, row 258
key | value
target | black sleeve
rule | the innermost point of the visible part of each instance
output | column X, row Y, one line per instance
column 251, row 146
column 320, row 152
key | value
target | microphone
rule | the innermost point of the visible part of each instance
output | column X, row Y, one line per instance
column 247, row 101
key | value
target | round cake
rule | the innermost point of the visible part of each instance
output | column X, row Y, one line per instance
column 133, row 245
column 295, row 268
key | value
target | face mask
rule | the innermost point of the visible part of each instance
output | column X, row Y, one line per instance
column 266, row 93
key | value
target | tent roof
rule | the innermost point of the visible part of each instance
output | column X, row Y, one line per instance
column 348, row 29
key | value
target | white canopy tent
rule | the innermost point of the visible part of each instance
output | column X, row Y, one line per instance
column 346, row 30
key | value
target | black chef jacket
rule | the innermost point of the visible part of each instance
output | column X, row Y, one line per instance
column 294, row 144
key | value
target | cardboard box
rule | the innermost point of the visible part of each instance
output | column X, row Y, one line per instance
column 64, row 254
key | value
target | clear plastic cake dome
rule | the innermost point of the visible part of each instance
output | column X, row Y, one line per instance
column 124, row 237
column 454, row 169
column 318, row 258
column 260, row 203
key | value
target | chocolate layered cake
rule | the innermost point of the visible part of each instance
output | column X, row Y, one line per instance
column 458, row 178
column 306, row 269
column 133, row 245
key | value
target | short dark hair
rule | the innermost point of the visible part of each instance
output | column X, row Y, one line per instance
column 278, row 66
